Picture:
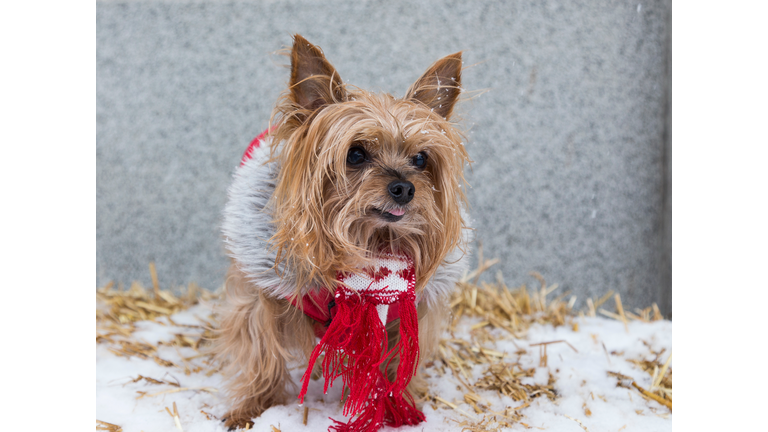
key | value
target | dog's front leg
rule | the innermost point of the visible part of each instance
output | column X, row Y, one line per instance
column 431, row 325
column 258, row 335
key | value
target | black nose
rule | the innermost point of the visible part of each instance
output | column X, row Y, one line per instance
column 401, row 191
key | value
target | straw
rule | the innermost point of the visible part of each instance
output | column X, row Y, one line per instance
column 493, row 305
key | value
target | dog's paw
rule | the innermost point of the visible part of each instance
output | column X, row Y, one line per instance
column 234, row 422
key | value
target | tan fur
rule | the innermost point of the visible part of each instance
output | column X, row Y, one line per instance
column 327, row 214
column 257, row 336
column 431, row 324
column 323, row 209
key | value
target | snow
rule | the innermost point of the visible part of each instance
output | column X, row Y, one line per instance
column 581, row 381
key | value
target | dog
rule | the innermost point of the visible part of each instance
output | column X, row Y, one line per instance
column 342, row 178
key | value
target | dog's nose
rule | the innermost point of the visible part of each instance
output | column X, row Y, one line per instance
column 401, row 191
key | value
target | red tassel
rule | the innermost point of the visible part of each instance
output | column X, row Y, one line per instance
column 355, row 347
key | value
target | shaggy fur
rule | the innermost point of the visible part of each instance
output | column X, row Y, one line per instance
column 298, row 213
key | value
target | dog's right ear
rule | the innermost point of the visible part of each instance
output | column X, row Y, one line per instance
column 314, row 82
column 439, row 88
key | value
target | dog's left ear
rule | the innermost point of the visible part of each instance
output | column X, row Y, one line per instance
column 314, row 81
column 440, row 86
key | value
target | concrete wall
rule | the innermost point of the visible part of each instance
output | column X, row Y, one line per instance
column 570, row 140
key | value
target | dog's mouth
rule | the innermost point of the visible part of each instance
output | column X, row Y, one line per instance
column 391, row 215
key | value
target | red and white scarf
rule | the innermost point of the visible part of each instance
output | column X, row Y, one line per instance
column 355, row 346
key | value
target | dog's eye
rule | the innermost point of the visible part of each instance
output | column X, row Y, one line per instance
column 356, row 156
column 420, row 160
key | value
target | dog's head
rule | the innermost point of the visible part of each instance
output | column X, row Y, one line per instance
column 360, row 172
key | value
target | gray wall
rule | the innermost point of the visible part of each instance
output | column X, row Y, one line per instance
column 570, row 140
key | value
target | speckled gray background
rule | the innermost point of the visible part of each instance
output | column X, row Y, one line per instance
column 570, row 139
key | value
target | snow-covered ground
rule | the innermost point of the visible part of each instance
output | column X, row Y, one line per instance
column 138, row 394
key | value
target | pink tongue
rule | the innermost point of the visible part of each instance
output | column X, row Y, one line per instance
column 396, row 212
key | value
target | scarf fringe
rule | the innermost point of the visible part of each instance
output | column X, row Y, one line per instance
column 355, row 347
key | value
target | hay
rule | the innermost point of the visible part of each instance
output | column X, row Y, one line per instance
column 514, row 311
column 104, row 426
column 175, row 413
column 117, row 310
column 661, row 377
column 500, row 313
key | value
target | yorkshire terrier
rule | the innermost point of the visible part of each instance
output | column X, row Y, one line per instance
column 342, row 178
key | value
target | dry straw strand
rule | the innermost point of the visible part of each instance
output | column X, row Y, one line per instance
column 104, row 426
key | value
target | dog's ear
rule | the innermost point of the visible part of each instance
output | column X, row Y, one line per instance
column 314, row 82
column 440, row 86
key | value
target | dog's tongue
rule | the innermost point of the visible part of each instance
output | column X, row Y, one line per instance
column 396, row 212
